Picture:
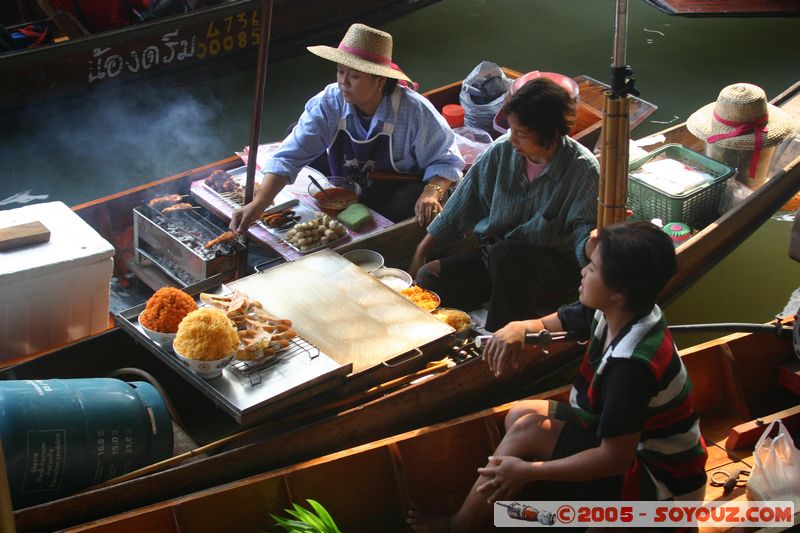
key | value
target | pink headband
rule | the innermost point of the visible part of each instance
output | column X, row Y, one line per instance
column 364, row 54
column 376, row 58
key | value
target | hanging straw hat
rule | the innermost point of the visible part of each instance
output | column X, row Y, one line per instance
column 741, row 119
column 365, row 49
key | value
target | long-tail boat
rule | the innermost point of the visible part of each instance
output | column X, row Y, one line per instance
column 326, row 429
column 371, row 487
column 224, row 35
column 729, row 8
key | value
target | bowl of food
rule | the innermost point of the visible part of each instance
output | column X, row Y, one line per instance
column 394, row 278
column 206, row 342
column 164, row 340
column 163, row 313
column 366, row 260
column 422, row 298
column 337, row 193
column 206, row 369
column 455, row 318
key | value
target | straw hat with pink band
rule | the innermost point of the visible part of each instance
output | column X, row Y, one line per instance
column 742, row 120
column 365, row 49
column 567, row 83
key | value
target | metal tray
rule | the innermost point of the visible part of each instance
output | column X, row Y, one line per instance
column 251, row 390
column 282, row 200
column 305, row 213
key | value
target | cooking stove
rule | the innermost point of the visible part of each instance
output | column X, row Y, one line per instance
column 175, row 243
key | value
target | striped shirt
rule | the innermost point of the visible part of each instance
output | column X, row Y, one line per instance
column 671, row 455
column 557, row 210
column 422, row 142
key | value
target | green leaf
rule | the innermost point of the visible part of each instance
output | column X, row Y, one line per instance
column 291, row 525
column 307, row 521
column 324, row 515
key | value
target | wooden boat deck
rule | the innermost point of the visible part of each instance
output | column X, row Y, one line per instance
column 371, row 487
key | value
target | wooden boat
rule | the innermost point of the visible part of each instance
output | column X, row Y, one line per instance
column 467, row 386
column 371, row 487
column 225, row 36
column 733, row 8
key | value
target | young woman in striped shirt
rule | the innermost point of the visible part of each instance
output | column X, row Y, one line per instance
column 630, row 430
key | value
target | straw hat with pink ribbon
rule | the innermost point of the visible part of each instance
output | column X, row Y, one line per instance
column 365, row 49
column 742, row 120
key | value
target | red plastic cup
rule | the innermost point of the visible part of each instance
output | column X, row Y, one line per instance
column 454, row 115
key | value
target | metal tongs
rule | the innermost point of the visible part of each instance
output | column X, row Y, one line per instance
column 543, row 337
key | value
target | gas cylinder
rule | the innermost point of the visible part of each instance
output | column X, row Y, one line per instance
column 62, row 435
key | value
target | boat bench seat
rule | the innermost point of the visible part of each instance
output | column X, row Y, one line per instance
column 63, row 20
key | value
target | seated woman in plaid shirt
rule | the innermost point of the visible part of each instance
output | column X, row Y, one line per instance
column 531, row 199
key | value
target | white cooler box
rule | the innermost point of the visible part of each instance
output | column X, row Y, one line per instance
column 54, row 292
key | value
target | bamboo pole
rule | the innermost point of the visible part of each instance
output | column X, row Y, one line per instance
column 602, row 183
column 608, row 160
column 6, row 510
column 621, row 171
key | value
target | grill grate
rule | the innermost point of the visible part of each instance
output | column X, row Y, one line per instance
column 250, row 371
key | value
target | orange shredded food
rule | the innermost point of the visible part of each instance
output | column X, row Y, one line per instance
column 206, row 334
column 165, row 310
column 423, row 298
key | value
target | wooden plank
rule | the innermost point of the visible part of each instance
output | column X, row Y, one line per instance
column 23, row 235
column 789, row 376
column 746, row 435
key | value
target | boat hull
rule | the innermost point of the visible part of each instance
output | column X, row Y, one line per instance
column 224, row 37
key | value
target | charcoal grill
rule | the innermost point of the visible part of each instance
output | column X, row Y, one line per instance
column 175, row 244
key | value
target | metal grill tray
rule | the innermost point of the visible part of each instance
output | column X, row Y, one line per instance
column 306, row 214
column 251, row 390
column 282, row 200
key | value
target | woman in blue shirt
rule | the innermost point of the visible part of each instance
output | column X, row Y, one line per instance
column 367, row 121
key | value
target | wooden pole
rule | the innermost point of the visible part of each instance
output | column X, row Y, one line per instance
column 6, row 509
column 258, row 98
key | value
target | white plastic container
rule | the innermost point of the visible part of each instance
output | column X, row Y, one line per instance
column 55, row 292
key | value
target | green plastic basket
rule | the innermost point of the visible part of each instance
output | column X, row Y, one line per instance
column 697, row 208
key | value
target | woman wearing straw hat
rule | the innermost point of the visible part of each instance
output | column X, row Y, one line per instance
column 367, row 121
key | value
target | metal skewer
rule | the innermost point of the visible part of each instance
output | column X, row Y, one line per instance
column 542, row 337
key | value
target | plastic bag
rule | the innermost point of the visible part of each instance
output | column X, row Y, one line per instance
column 482, row 95
column 471, row 142
column 776, row 468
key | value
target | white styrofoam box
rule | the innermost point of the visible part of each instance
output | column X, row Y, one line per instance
column 55, row 292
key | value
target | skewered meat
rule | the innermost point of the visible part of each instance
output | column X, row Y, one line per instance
column 160, row 202
column 220, row 181
column 225, row 237
column 183, row 206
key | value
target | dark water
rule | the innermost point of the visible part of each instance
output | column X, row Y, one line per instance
column 111, row 142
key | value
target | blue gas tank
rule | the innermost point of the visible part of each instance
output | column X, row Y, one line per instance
column 62, row 435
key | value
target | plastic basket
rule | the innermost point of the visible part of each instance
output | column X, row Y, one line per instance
column 697, row 207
